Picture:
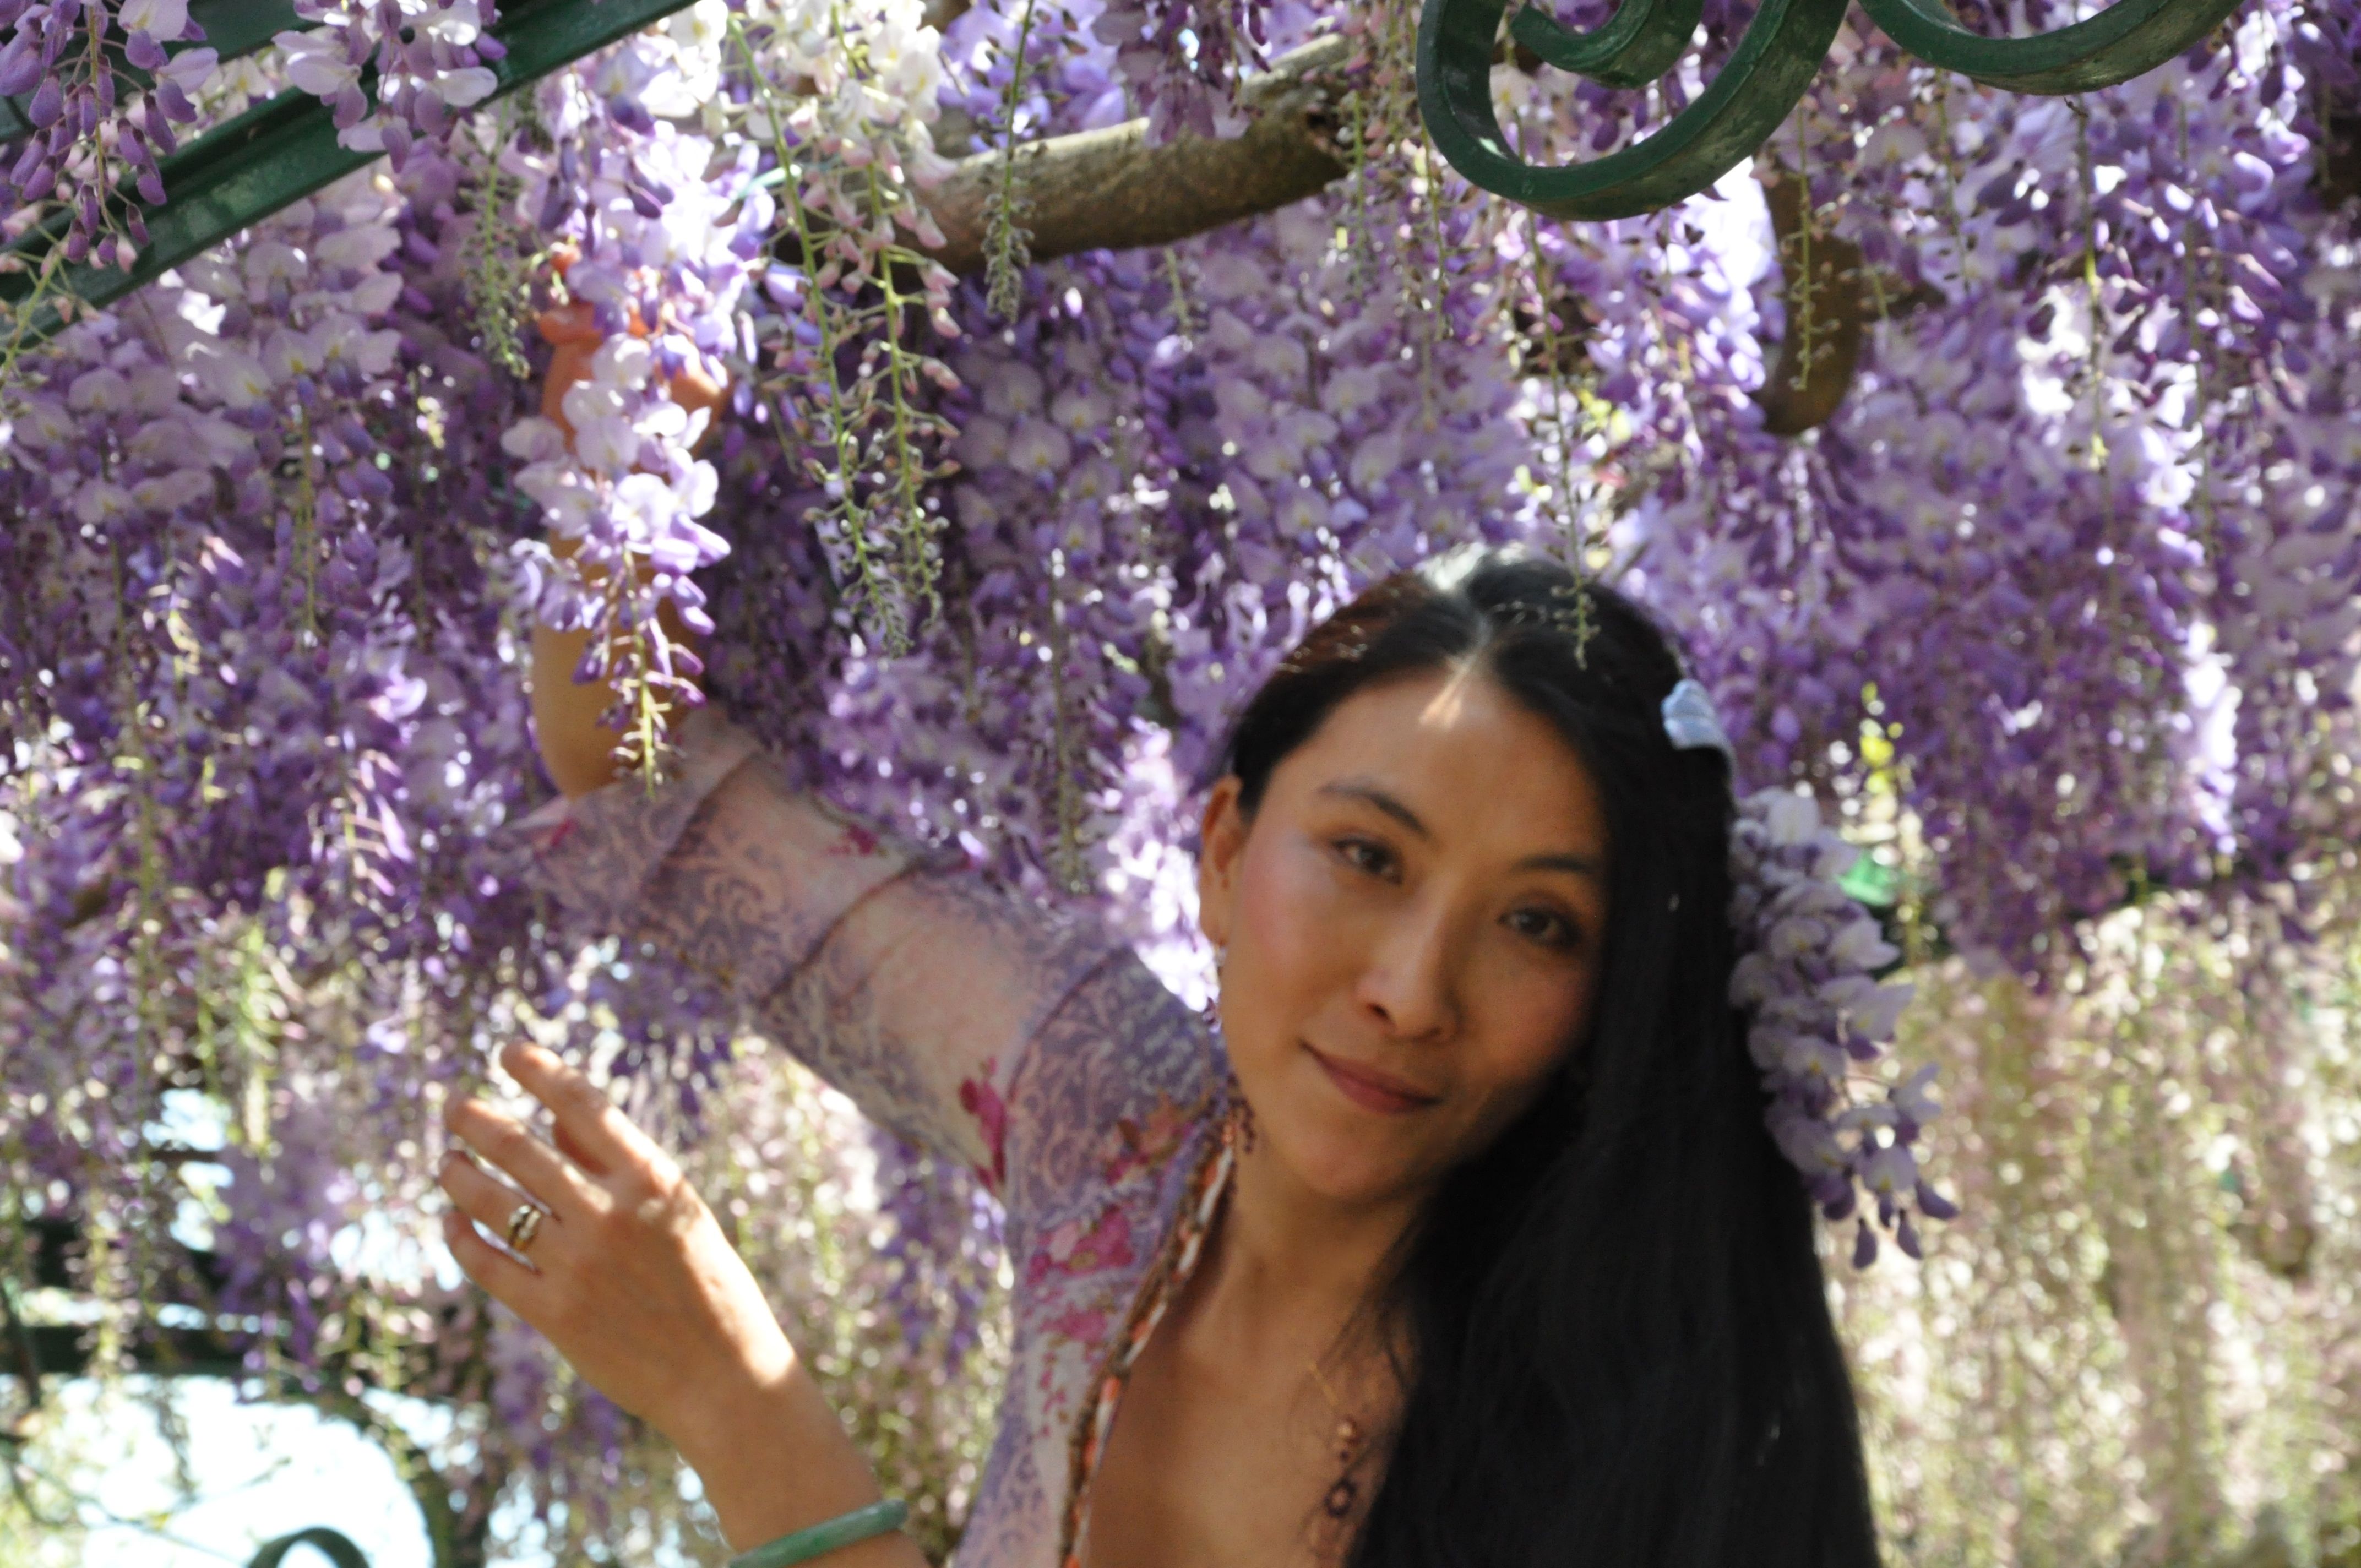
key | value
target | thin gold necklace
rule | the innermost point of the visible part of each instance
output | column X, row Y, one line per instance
column 1340, row 1497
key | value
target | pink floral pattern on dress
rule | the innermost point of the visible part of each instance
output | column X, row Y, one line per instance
column 980, row 1100
column 1025, row 1041
column 1078, row 1324
column 1143, row 1143
column 858, row 840
column 1071, row 1249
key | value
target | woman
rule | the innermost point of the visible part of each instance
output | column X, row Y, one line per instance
column 1463, row 1241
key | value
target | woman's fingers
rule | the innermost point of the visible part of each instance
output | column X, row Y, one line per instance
column 484, row 1199
column 606, row 1140
column 540, row 1171
column 575, row 322
column 512, row 1284
column 575, row 1152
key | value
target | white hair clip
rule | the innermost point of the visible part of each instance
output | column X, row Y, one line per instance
column 1690, row 723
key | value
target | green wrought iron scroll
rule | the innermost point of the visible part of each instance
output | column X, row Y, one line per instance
column 246, row 169
column 332, row 1544
column 1764, row 78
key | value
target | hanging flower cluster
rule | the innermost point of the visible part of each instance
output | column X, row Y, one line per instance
column 666, row 245
column 2037, row 564
column 150, row 510
column 848, row 375
column 95, row 132
column 1819, row 1016
column 426, row 59
column 1182, row 59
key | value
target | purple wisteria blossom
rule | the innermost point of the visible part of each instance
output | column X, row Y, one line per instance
column 1819, row 1016
column 2060, row 601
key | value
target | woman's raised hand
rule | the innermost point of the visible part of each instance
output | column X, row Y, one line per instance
column 629, row 1276
column 627, row 1272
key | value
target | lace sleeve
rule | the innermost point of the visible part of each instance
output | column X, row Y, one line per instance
column 901, row 978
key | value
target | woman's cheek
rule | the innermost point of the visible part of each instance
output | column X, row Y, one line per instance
column 1289, row 904
column 1287, row 953
column 1540, row 1013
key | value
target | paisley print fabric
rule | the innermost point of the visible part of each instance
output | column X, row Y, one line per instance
column 1027, row 1042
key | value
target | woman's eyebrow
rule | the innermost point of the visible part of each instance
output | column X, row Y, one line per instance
column 1353, row 789
column 1579, row 865
column 1369, row 794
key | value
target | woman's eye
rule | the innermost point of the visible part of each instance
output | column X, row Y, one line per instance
column 1365, row 855
column 1547, row 927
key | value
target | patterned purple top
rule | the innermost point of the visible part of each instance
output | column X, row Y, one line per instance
column 1031, row 1044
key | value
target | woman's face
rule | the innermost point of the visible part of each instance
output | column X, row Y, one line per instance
column 1414, row 919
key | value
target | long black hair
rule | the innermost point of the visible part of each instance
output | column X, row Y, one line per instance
column 1621, row 1352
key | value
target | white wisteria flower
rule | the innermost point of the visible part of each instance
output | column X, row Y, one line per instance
column 161, row 19
column 316, row 61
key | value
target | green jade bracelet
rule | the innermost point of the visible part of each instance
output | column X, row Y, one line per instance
column 826, row 1536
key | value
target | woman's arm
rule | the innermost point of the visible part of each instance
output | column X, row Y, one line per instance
column 896, row 974
column 628, row 1255
column 921, row 1008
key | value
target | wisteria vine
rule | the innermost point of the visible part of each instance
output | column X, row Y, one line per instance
column 2056, row 615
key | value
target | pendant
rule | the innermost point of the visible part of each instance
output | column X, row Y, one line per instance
column 1339, row 1501
column 1348, row 1442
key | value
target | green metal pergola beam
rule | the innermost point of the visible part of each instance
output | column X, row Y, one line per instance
column 279, row 152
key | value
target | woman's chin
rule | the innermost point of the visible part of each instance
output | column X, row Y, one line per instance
column 1331, row 1147
column 1348, row 1170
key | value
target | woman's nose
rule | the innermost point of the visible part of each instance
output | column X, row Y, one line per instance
column 1409, row 978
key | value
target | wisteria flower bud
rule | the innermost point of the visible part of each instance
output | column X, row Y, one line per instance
column 20, row 69
column 161, row 140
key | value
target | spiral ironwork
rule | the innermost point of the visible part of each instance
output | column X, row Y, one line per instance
column 1765, row 76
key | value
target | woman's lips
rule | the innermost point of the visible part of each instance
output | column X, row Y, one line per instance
column 1372, row 1090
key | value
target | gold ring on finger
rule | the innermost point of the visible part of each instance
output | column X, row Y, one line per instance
column 522, row 1223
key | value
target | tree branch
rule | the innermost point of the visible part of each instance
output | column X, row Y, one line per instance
column 63, row 1350
column 1827, row 315
column 1110, row 190
column 2338, row 171
column 1839, row 299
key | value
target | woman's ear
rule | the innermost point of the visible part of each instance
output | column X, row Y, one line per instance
column 1222, row 842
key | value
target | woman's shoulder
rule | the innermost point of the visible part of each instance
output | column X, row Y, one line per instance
column 1115, row 1111
column 1117, row 1074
